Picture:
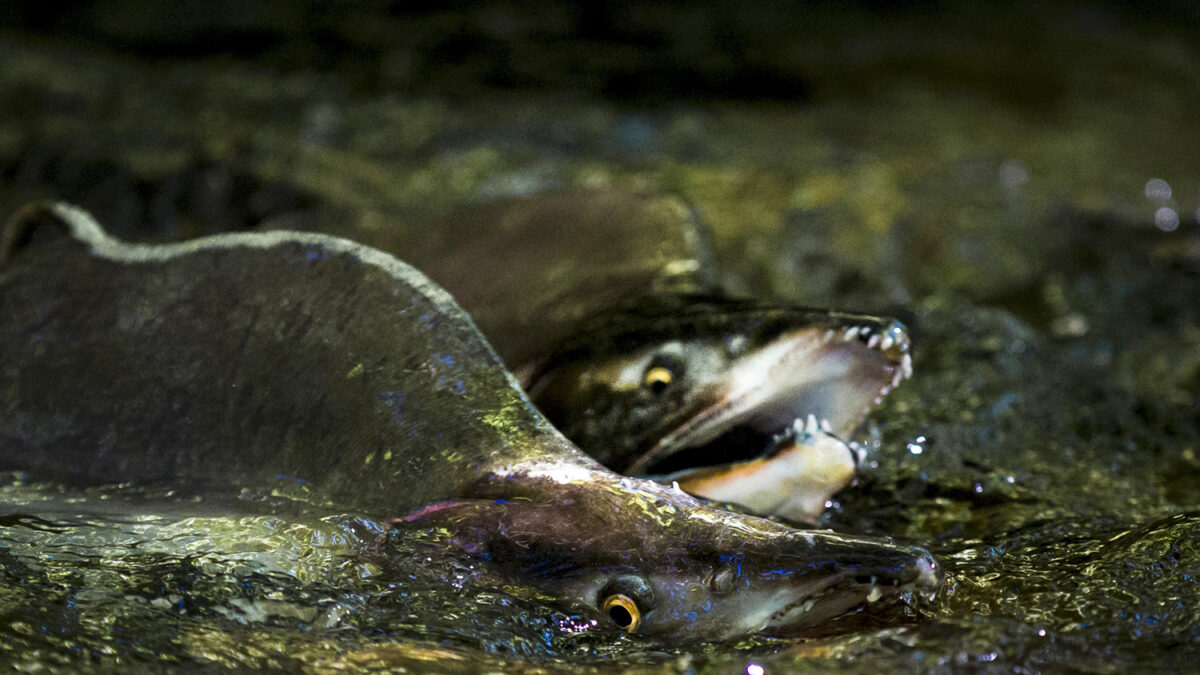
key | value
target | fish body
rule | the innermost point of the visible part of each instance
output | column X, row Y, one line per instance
column 608, row 307
column 341, row 376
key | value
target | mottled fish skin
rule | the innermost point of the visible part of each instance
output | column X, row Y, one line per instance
column 263, row 361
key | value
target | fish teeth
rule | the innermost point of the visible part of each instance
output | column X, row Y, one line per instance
column 874, row 341
column 809, row 425
column 906, row 365
column 830, row 335
column 887, row 342
column 860, row 453
column 851, row 333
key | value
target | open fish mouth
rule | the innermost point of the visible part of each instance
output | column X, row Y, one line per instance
column 775, row 439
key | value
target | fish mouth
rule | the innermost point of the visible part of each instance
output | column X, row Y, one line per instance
column 849, row 592
column 775, row 437
column 837, row 582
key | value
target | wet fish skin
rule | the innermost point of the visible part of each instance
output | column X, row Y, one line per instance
column 323, row 370
column 243, row 356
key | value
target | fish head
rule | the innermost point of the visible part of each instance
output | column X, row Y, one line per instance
column 750, row 395
column 649, row 560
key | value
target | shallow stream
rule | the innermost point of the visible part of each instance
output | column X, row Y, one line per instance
column 1021, row 187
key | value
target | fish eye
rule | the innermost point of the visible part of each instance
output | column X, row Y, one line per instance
column 626, row 600
column 623, row 611
column 664, row 370
column 658, row 378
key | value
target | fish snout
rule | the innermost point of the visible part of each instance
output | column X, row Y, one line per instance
column 885, row 337
column 911, row 568
column 875, row 564
column 884, row 334
column 842, row 577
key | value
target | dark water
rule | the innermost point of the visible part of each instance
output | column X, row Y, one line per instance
column 1055, row 477
column 1021, row 186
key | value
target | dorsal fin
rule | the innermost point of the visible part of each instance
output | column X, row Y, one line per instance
column 33, row 225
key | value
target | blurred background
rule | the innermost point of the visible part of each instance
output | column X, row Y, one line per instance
column 850, row 133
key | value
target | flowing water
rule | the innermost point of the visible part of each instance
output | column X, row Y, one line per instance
column 1021, row 188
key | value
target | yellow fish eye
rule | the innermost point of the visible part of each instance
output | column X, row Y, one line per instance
column 623, row 611
column 658, row 378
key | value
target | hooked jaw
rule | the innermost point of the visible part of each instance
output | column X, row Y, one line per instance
column 844, row 376
column 792, row 583
column 855, row 577
column 775, row 432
